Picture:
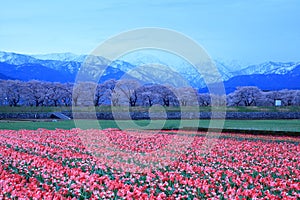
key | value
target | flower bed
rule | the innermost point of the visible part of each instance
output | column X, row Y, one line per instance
column 108, row 164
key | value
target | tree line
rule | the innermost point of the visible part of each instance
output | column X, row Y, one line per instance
column 132, row 93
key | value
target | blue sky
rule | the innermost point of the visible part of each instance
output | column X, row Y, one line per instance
column 249, row 31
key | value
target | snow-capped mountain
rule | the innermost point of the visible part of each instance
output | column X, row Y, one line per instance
column 272, row 81
column 20, row 59
column 227, row 69
column 269, row 68
column 16, row 59
column 175, row 64
column 64, row 69
column 147, row 66
column 233, row 64
column 61, row 57
column 157, row 60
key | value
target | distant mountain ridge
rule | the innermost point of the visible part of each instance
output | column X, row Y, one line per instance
column 63, row 67
column 61, row 57
column 269, row 68
column 272, row 81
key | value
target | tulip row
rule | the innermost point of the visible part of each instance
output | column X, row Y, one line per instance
column 119, row 164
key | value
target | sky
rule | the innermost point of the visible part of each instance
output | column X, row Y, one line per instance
column 249, row 31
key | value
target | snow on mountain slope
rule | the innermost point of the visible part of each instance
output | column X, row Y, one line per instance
column 156, row 59
column 72, row 62
column 180, row 65
column 268, row 68
column 232, row 65
column 67, row 65
column 16, row 59
column 61, row 57
column 20, row 59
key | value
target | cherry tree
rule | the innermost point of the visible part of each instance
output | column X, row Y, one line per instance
column 167, row 95
column 187, row 96
column 296, row 100
column 125, row 91
column 115, row 98
column 12, row 91
column 37, row 92
column 147, row 95
column 148, row 98
column 103, row 92
column 287, row 97
column 83, row 93
column 66, row 94
column 204, row 99
column 244, row 96
column 55, row 94
column 2, row 93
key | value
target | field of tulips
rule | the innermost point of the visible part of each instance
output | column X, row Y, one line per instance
column 115, row 164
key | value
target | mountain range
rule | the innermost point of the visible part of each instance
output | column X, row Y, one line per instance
column 146, row 66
